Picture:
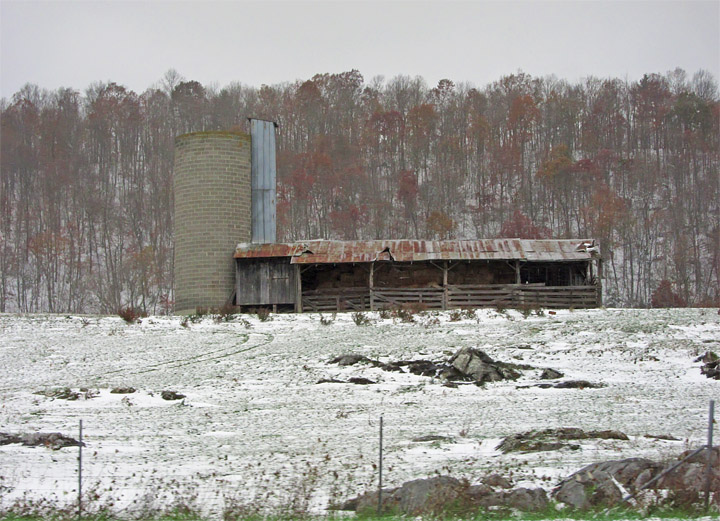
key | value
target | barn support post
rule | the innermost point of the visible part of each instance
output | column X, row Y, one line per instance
column 599, row 282
column 370, row 286
column 517, row 272
column 298, row 290
column 445, row 285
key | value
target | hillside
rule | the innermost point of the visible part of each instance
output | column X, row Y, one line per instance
column 86, row 203
column 256, row 427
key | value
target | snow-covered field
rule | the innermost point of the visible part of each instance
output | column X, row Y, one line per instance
column 255, row 427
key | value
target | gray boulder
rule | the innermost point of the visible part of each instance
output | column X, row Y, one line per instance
column 480, row 367
column 350, row 359
column 604, row 484
column 446, row 495
column 419, row 496
column 595, row 485
column 52, row 440
column 553, row 439
column 551, row 374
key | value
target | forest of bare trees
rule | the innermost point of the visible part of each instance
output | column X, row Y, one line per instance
column 86, row 221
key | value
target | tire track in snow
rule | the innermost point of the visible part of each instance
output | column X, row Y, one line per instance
column 245, row 337
column 268, row 338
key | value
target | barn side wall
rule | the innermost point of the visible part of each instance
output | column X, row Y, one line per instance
column 212, row 191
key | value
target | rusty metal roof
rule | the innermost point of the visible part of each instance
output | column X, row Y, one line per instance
column 340, row 252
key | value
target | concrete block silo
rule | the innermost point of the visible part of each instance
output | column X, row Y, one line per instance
column 213, row 213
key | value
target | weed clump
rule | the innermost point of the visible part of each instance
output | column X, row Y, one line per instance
column 263, row 314
column 326, row 321
column 455, row 315
column 131, row 314
column 224, row 313
column 361, row 319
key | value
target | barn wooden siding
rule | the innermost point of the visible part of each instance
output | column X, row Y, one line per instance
column 263, row 282
column 371, row 275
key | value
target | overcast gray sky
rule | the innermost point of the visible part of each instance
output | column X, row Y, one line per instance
column 74, row 43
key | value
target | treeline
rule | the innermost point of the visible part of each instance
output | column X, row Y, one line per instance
column 86, row 191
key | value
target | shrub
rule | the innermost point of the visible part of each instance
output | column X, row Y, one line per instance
column 385, row 313
column 665, row 297
column 406, row 313
column 360, row 319
column 225, row 313
column 131, row 315
column 415, row 307
column 469, row 313
column 263, row 314
column 456, row 315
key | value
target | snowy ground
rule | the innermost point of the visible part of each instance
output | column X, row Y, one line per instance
column 256, row 428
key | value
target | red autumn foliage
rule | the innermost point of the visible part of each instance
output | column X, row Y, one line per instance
column 665, row 297
column 521, row 227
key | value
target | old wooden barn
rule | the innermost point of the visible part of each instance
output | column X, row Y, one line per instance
column 372, row 275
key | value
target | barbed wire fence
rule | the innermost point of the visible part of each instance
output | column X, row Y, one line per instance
column 96, row 486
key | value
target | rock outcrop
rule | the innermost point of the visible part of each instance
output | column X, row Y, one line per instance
column 554, row 439
column 445, row 495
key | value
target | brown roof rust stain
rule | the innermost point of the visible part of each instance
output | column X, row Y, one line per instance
column 340, row 252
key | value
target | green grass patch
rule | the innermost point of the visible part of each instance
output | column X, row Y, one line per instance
column 551, row 514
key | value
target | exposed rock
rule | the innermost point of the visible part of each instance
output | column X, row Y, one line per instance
column 331, row 381
column 711, row 365
column 61, row 393
column 496, row 480
column 171, row 395
column 53, row 440
column 480, row 367
column 431, row 437
column 7, row 439
column 608, row 435
column 702, row 457
column 420, row 496
column 418, row 367
column 578, row 384
column 360, row 381
column 354, row 380
column 467, row 364
column 444, row 494
column 525, row 499
column 707, row 358
column 604, row 484
column 595, row 485
column 550, row 374
column 567, row 384
column 666, row 437
column 687, row 483
column 553, row 439
column 122, row 390
column 351, row 359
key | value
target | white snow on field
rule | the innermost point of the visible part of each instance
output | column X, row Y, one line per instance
column 255, row 427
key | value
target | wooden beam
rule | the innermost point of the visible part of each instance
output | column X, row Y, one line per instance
column 370, row 286
column 445, row 285
column 298, row 289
